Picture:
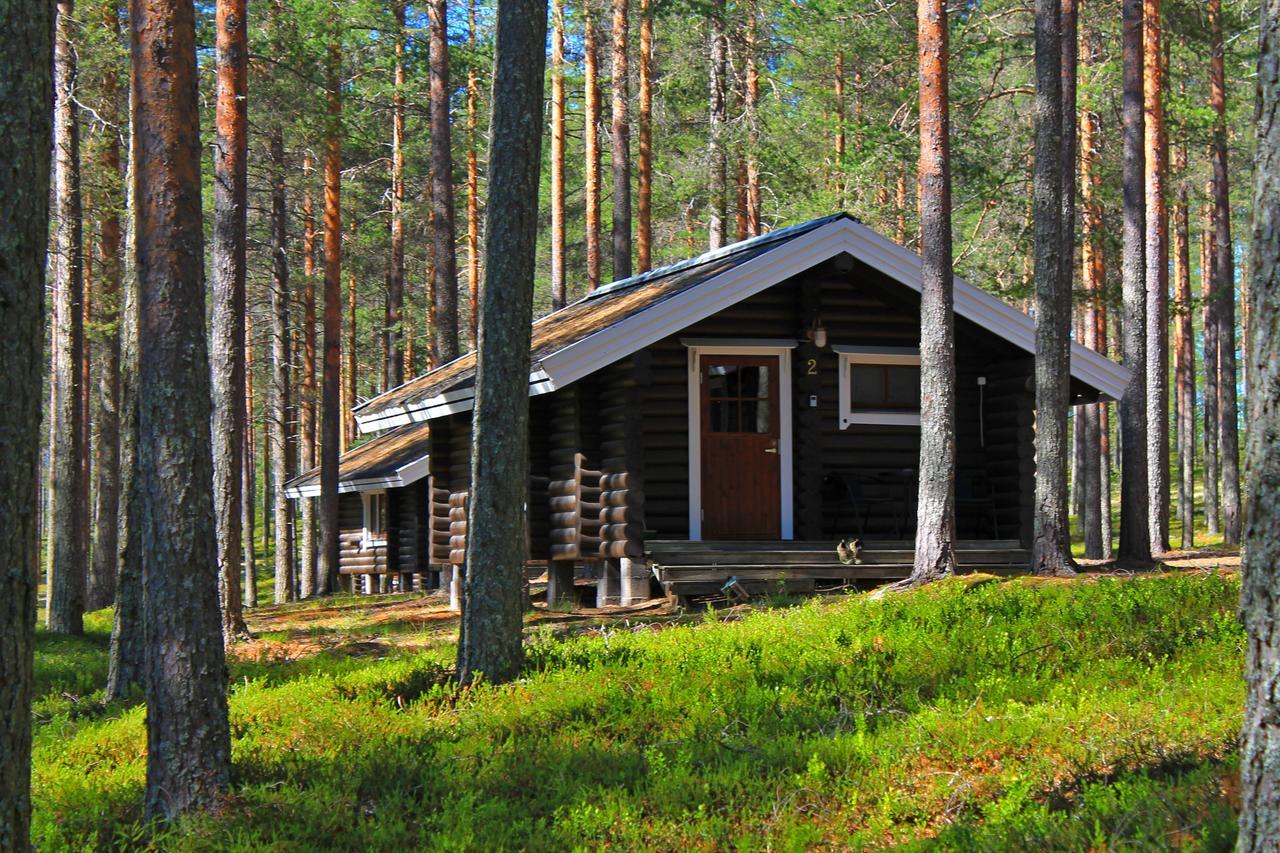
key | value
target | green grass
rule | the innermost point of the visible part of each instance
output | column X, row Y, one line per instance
column 974, row 714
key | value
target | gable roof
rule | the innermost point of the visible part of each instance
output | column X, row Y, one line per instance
column 628, row 315
column 390, row 461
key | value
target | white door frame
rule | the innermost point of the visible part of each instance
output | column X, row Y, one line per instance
column 781, row 349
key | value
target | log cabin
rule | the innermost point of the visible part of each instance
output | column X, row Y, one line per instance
column 723, row 419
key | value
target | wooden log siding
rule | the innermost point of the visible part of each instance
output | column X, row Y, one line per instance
column 438, row 492
column 353, row 557
column 459, row 459
column 538, row 511
column 573, row 492
column 857, row 307
column 621, row 516
column 407, row 537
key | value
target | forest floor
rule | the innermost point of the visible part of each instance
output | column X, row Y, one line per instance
column 979, row 713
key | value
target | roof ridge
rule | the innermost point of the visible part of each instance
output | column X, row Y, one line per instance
column 712, row 255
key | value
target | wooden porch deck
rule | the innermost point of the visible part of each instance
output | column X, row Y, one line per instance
column 685, row 567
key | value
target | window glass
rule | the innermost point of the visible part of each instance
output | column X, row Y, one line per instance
column 902, row 386
column 754, row 381
column 722, row 380
column 755, row 416
column 867, row 384
column 724, row 415
column 376, row 521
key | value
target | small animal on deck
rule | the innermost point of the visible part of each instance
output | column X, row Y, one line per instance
column 849, row 550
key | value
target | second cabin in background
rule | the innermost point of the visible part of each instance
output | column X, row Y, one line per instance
column 733, row 415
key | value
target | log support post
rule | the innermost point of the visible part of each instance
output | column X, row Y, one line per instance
column 608, row 582
column 634, row 581
column 560, row 584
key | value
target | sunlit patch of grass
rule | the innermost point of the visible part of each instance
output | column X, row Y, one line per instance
column 972, row 714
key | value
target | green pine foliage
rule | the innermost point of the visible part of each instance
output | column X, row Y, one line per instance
column 973, row 714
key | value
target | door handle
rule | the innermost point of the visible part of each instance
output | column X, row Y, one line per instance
column 771, row 450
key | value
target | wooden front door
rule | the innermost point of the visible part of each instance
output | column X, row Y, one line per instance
column 741, row 483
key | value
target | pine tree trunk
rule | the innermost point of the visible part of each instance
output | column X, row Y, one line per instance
column 230, row 175
column 1093, row 277
column 68, row 561
column 307, row 415
column 349, row 355
column 591, row 143
column 127, row 656
column 278, row 418
column 249, row 477
column 1135, row 541
column 1051, row 538
column 1259, row 603
column 493, row 594
column 1069, row 31
column 752, row 114
column 718, row 51
column 393, row 336
column 1212, row 512
column 106, row 469
column 446, row 264
column 1157, row 280
column 558, row 295
column 838, row 154
column 1224, row 288
column 188, row 741
column 644, row 164
column 330, row 424
column 26, row 68
column 936, row 526
column 473, row 182
column 1184, row 354
column 621, row 145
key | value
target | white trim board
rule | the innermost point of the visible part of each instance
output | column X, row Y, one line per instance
column 849, row 355
column 786, row 473
column 405, row 475
column 788, row 258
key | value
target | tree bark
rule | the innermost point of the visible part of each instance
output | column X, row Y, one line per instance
column 1212, row 513
column 249, row 478
column 1093, row 277
column 620, row 151
column 188, row 741
column 26, row 74
column 1184, row 354
column 558, row 295
column 307, row 415
column 230, row 196
column 67, row 563
column 838, row 154
column 718, row 51
column 591, row 143
column 644, row 163
column 936, row 526
column 1051, row 538
column 1069, row 32
column 330, row 424
column 1224, row 288
column 349, row 358
column 493, row 593
column 473, row 180
column 1157, row 279
column 127, row 656
column 278, row 418
column 393, row 336
column 1135, row 541
column 1260, row 576
column 101, row 590
column 446, row 263
column 752, row 110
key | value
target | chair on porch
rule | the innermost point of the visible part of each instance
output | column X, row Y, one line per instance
column 848, row 489
column 973, row 491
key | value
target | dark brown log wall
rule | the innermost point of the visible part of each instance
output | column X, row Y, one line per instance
column 353, row 557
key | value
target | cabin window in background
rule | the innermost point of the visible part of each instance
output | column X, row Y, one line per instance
column 879, row 385
column 375, row 518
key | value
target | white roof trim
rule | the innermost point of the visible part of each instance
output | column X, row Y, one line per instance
column 405, row 475
column 669, row 316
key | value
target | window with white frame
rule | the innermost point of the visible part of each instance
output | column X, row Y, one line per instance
column 879, row 385
column 375, row 518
